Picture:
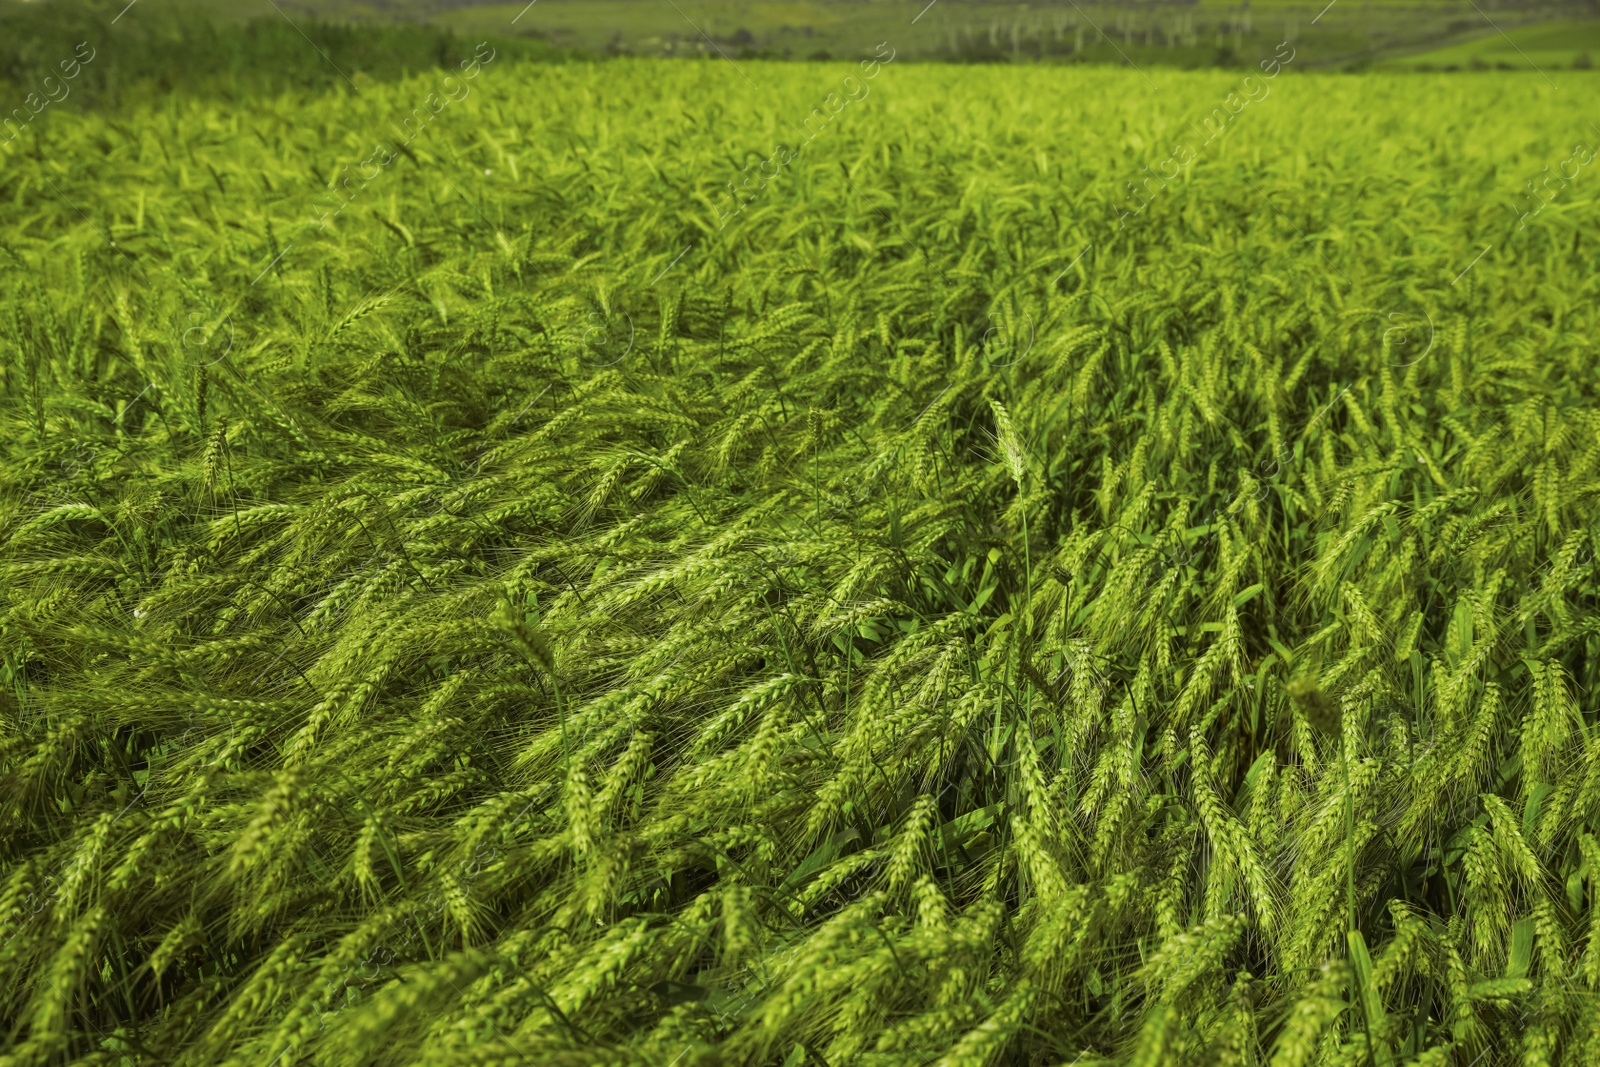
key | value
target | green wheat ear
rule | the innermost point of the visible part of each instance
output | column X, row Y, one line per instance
column 1319, row 709
column 531, row 641
column 1010, row 446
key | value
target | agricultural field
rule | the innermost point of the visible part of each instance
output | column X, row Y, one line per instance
column 1560, row 43
column 815, row 563
column 1228, row 33
column 1343, row 35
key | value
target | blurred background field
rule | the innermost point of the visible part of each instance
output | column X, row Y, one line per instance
column 176, row 42
column 1559, row 43
column 1352, row 33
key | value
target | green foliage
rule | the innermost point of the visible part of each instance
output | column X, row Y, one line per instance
column 153, row 50
column 522, row 622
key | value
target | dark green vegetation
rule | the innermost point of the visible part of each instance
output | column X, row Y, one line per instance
column 941, row 617
column 152, row 50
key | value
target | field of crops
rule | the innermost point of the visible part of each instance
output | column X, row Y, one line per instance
column 1070, row 566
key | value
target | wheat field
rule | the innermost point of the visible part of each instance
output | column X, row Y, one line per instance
column 476, row 592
